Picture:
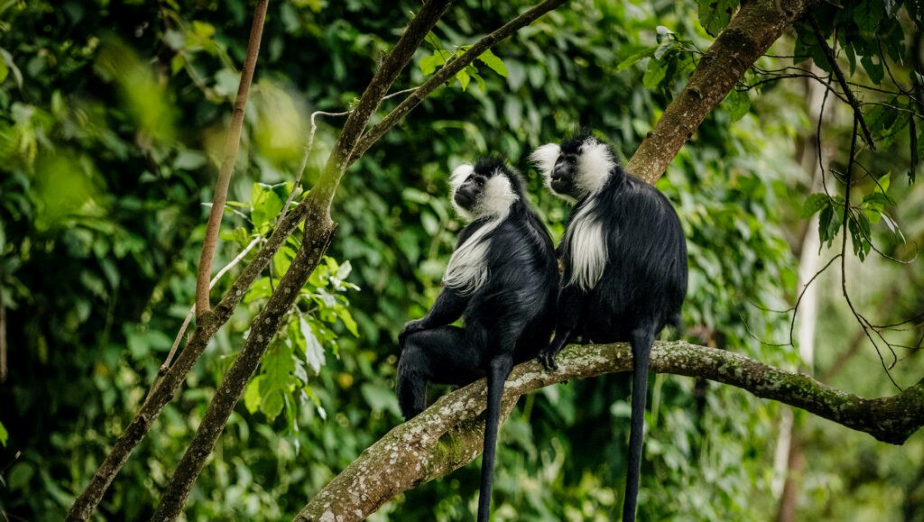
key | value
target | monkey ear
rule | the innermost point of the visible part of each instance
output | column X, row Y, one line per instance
column 459, row 175
column 544, row 159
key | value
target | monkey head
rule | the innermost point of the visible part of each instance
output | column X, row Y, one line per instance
column 484, row 190
column 577, row 168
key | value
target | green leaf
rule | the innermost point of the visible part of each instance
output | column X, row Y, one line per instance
column 829, row 222
column 463, row 78
column 344, row 314
column 814, row 203
column 252, row 398
column 265, row 204
column 737, row 103
column 493, row 62
column 272, row 404
column 4, row 435
column 4, row 71
column 635, row 58
column 429, row 64
column 656, row 72
column 278, row 365
column 714, row 15
column 314, row 352
column 873, row 68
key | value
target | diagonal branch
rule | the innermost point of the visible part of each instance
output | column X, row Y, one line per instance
column 449, row 434
column 750, row 33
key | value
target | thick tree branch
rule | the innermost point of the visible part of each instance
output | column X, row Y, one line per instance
column 748, row 36
column 449, row 434
column 232, row 144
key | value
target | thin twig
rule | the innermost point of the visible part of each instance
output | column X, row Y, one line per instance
column 851, row 99
column 862, row 320
column 232, row 144
column 305, row 155
column 310, row 144
column 179, row 336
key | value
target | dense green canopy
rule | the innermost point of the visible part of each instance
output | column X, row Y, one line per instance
column 113, row 117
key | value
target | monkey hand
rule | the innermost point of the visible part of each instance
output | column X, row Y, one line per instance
column 411, row 327
column 547, row 358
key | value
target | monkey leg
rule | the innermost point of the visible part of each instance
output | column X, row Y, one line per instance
column 441, row 355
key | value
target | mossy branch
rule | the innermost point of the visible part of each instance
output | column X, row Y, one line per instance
column 449, row 434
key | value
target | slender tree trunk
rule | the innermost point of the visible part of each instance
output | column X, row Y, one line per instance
column 788, row 451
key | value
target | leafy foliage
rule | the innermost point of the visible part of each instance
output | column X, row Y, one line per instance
column 112, row 118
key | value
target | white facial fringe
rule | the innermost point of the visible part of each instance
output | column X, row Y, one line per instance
column 588, row 248
column 544, row 159
column 594, row 165
column 456, row 179
column 467, row 270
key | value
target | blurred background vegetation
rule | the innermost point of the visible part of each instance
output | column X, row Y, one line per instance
column 112, row 117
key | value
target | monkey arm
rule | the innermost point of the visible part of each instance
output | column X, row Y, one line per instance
column 570, row 308
column 447, row 308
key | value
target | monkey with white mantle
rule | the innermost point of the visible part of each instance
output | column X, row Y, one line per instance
column 625, row 267
column 503, row 280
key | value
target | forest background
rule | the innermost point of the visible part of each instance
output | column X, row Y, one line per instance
column 113, row 119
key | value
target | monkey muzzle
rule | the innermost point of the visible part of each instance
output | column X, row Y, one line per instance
column 464, row 199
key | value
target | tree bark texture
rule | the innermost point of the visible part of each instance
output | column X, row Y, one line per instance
column 747, row 37
column 449, row 434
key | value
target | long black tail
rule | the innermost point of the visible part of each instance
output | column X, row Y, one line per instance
column 641, row 349
column 497, row 375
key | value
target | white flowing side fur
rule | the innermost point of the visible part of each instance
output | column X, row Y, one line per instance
column 587, row 245
column 467, row 270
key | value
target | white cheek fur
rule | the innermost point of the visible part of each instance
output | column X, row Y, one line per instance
column 456, row 179
column 496, row 197
column 595, row 163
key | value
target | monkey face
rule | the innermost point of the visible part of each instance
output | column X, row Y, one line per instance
column 577, row 168
column 469, row 192
column 484, row 190
column 562, row 177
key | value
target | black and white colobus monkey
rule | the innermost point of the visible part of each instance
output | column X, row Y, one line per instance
column 625, row 267
column 503, row 279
